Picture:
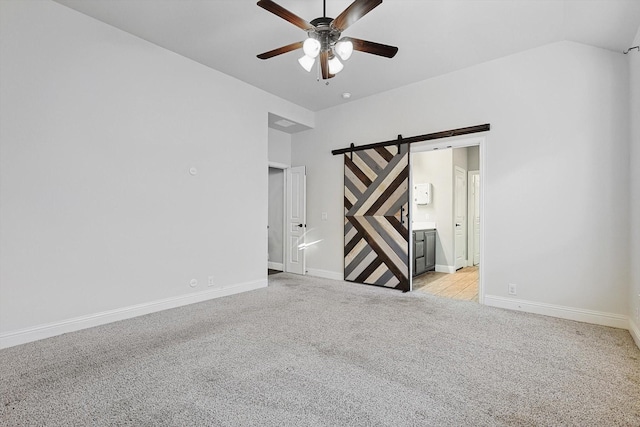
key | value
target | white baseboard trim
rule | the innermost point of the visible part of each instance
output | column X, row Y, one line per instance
column 445, row 269
column 325, row 274
column 22, row 336
column 571, row 313
column 275, row 265
column 635, row 332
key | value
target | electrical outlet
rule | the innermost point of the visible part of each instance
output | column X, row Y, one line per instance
column 512, row 289
column 210, row 280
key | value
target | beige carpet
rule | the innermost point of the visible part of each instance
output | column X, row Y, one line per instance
column 317, row 352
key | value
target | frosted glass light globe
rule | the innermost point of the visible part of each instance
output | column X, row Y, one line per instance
column 307, row 62
column 311, row 47
column 335, row 66
column 344, row 49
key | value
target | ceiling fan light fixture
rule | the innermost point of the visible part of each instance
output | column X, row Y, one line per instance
column 335, row 66
column 307, row 62
column 311, row 47
column 344, row 49
column 323, row 37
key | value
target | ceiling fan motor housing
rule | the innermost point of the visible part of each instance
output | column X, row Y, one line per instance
column 324, row 33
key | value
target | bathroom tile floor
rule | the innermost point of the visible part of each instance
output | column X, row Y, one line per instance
column 463, row 284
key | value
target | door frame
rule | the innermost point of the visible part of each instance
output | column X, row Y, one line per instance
column 461, row 142
column 283, row 167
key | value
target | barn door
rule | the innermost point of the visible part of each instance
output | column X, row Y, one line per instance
column 376, row 229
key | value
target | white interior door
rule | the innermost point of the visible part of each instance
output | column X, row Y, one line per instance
column 473, row 218
column 476, row 219
column 296, row 220
column 460, row 216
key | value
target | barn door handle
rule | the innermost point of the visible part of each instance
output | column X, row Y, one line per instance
column 402, row 215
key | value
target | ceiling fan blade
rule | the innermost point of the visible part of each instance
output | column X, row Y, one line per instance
column 324, row 65
column 283, row 13
column 280, row 50
column 355, row 11
column 373, row 47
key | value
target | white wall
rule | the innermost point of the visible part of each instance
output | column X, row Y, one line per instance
column 473, row 158
column 460, row 159
column 556, row 183
column 279, row 147
column 98, row 210
column 634, row 288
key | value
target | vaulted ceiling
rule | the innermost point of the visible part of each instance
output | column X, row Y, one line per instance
column 434, row 37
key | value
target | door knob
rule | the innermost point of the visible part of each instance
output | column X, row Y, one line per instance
column 458, row 225
column 300, row 225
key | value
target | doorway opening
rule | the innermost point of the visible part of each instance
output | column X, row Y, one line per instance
column 275, row 226
column 446, row 225
column 286, row 226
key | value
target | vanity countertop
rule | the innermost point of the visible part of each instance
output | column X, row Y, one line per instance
column 423, row 225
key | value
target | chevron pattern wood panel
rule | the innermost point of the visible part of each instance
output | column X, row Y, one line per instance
column 376, row 203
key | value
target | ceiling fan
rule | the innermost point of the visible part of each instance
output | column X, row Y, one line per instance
column 324, row 37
